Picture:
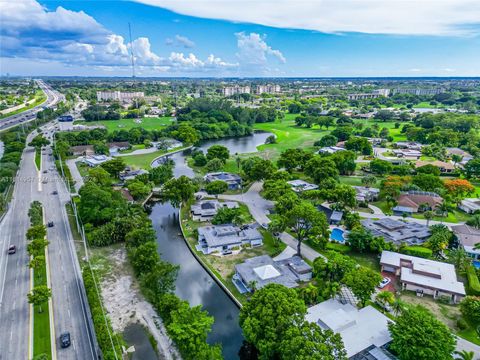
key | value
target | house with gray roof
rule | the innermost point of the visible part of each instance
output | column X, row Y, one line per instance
column 300, row 185
column 364, row 332
column 468, row 237
column 220, row 238
column 398, row 232
column 366, row 194
column 262, row 270
column 205, row 210
column 233, row 181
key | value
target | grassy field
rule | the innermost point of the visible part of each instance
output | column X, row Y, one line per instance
column 288, row 136
column 41, row 320
column 150, row 123
column 143, row 161
column 38, row 158
column 390, row 125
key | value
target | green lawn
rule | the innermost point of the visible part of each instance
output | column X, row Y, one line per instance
column 38, row 158
column 356, row 181
column 143, row 161
column 454, row 216
column 288, row 136
column 39, row 98
column 41, row 321
column 150, row 123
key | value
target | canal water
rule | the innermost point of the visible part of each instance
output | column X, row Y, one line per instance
column 135, row 334
column 194, row 284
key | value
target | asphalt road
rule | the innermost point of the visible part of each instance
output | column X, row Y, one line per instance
column 69, row 314
column 14, row 271
column 53, row 97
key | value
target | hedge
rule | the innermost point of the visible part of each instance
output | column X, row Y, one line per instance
column 419, row 251
column 473, row 282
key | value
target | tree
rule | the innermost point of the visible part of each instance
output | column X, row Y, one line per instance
column 216, row 187
column 266, row 318
column 144, row 257
column 359, row 145
column 256, row 168
column 465, row 355
column 214, row 165
column 427, row 182
column 218, row 152
column 187, row 134
column 286, row 202
column 459, row 189
column 327, row 140
column 99, row 176
column 190, row 327
column 472, row 168
column 474, row 221
column 179, row 191
column 292, row 159
column 428, row 169
column 307, row 222
column 320, row 169
column 37, row 263
column 39, row 295
column 160, row 280
column 227, row 216
column 362, row 281
column 470, row 308
column 380, row 167
column 385, row 298
column 369, row 180
column 114, row 166
column 437, row 242
column 384, row 115
column 37, row 246
column 417, row 334
column 428, row 215
column 308, row 341
column 459, row 258
column 272, row 189
column 36, row 232
column 39, row 141
column 138, row 189
column 334, row 267
column 161, row 174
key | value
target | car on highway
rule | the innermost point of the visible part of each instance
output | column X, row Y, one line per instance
column 45, row 171
column 55, row 192
column 50, row 224
column 65, row 340
column 385, row 281
column 12, row 249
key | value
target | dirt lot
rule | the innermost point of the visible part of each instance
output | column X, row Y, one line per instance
column 123, row 300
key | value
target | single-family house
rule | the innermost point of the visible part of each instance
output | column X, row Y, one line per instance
column 333, row 216
column 330, row 149
column 424, row 276
column 408, row 145
column 468, row 237
column 397, row 232
column 115, row 147
column 466, row 157
column 129, row 174
column 364, row 332
column 260, row 271
column 366, row 194
column 82, row 150
column 470, row 206
column 96, row 160
column 444, row 167
column 416, row 201
column 233, row 181
column 300, row 185
column 205, row 210
column 221, row 238
column 409, row 154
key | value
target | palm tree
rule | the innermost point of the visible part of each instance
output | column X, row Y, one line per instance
column 474, row 221
column 459, row 258
column 385, row 298
column 428, row 215
column 398, row 306
column 465, row 355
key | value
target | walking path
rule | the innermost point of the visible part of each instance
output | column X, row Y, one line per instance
column 71, row 163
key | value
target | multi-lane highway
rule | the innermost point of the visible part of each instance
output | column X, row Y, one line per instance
column 70, row 310
column 53, row 97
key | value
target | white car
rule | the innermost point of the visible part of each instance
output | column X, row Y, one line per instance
column 385, row 281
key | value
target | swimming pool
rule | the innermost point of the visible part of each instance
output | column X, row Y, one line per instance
column 476, row 264
column 337, row 235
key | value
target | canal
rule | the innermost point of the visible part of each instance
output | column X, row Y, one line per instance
column 194, row 284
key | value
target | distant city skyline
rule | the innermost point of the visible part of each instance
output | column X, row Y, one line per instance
column 213, row 38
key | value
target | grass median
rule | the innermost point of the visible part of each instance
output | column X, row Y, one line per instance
column 41, row 320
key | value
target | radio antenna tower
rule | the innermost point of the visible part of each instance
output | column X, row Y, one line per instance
column 131, row 51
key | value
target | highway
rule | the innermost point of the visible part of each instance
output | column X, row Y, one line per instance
column 70, row 310
column 53, row 97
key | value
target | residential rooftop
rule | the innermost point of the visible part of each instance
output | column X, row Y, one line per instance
column 396, row 231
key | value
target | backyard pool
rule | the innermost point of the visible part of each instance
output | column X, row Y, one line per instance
column 476, row 264
column 337, row 235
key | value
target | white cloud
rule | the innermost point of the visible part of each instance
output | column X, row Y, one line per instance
column 30, row 31
column 401, row 17
column 254, row 51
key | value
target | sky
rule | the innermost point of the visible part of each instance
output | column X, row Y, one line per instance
column 240, row 38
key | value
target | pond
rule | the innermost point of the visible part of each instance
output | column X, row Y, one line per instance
column 135, row 335
column 194, row 284
column 238, row 145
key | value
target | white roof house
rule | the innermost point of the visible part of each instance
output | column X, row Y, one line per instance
column 205, row 210
column 422, row 275
column 359, row 329
column 300, row 185
column 95, row 160
column 470, row 205
column 330, row 149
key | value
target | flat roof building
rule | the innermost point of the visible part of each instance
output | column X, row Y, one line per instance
column 233, row 181
column 424, row 276
column 398, row 232
column 300, row 185
column 220, row 238
column 205, row 210
column 359, row 329
column 263, row 270
column 96, row 160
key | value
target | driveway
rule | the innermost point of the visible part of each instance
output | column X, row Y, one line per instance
column 77, row 178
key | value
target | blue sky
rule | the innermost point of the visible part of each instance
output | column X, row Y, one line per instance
column 241, row 38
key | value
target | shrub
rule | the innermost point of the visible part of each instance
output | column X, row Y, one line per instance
column 462, row 324
column 473, row 282
column 419, row 251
